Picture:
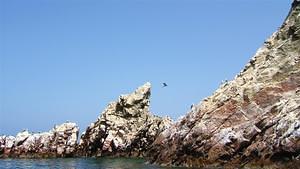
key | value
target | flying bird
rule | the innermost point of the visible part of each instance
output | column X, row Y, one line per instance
column 164, row 84
column 192, row 105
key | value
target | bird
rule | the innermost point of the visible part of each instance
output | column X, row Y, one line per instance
column 192, row 105
column 164, row 84
column 224, row 81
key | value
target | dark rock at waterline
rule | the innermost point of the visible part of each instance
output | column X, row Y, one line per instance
column 124, row 128
column 254, row 119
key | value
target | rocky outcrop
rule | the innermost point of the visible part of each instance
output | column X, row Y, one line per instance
column 124, row 128
column 61, row 141
column 254, row 119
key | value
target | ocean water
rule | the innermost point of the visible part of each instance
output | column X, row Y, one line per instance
column 98, row 163
column 78, row 163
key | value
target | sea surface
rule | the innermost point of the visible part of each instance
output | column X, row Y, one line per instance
column 78, row 163
column 95, row 163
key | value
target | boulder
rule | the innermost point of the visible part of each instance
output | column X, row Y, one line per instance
column 21, row 137
column 6, row 144
column 124, row 128
column 253, row 119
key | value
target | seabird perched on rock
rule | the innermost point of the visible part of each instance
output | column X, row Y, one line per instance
column 164, row 84
column 224, row 81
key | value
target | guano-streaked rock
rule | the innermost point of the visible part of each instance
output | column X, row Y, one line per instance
column 124, row 128
column 254, row 119
column 61, row 141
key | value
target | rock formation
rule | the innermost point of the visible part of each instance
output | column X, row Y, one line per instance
column 254, row 119
column 59, row 142
column 125, row 127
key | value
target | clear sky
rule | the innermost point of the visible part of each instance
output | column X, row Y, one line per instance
column 67, row 59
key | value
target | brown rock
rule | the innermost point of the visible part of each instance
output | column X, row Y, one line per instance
column 125, row 127
column 61, row 141
column 254, row 119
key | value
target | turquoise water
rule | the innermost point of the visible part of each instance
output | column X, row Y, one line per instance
column 77, row 163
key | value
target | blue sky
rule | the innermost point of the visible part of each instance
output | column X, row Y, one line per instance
column 67, row 59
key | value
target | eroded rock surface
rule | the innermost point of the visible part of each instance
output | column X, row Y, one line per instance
column 61, row 141
column 254, row 119
column 124, row 128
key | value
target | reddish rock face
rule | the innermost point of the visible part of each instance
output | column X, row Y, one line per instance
column 254, row 119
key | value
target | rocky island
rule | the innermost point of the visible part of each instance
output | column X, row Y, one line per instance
column 251, row 120
column 61, row 141
column 124, row 128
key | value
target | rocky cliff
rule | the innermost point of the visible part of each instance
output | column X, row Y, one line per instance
column 59, row 142
column 253, row 119
column 124, row 128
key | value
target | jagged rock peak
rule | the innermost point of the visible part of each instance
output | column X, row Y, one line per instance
column 253, row 119
column 137, row 102
column 124, row 128
column 60, row 141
